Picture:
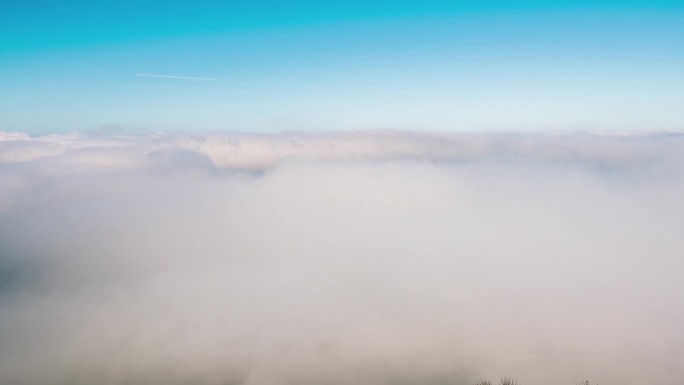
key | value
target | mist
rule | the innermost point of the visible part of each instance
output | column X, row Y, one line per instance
column 371, row 257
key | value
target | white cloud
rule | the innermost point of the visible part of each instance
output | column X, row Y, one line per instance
column 365, row 258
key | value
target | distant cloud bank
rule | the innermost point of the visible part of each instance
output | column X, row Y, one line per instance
column 262, row 151
column 378, row 257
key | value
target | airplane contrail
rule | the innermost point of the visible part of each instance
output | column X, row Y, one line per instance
column 176, row 77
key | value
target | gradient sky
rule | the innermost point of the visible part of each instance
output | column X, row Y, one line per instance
column 265, row 65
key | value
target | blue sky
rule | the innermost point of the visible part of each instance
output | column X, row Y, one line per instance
column 334, row 65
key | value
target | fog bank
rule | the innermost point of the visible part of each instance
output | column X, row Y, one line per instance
column 383, row 257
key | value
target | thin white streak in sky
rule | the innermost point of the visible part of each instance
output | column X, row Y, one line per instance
column 176, row 77
column 116, row 84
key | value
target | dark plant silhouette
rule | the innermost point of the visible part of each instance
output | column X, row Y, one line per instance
column 513, row 381
column 509, row 381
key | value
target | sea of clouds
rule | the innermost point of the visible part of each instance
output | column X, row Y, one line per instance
column 364, row 258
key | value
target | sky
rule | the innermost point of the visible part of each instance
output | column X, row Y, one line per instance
column 341, row 192
column 271, row 66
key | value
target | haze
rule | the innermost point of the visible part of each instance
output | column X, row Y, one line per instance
column 348, row 258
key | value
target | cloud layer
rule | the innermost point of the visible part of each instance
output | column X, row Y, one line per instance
column 341, row 258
